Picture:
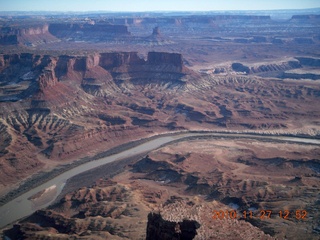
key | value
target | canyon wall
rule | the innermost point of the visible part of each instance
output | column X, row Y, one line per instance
column 174, row 59
column 29, row 36
column 88, row 32
column 132, row 28
column 54, row 32
column 187, row 19
column 49, row 103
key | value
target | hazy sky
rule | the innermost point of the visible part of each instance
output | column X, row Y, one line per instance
column 153, row 5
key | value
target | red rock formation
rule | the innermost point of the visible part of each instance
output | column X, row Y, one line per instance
column 35, row 35
column 47, row 79
column 116, row 59
column 59, row 88
column 159, row 58
column 29, row 36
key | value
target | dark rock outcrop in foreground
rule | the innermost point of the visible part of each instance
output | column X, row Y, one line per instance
column 160, row 229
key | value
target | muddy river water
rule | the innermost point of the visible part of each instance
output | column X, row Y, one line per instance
column 21, row 206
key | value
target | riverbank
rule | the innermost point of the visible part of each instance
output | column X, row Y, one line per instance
column 43, row 177
column 111, row 169
column 87, row 173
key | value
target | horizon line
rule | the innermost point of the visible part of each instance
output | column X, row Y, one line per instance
column 155, row 11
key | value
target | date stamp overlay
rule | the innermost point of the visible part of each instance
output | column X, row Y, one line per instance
column 262, row 214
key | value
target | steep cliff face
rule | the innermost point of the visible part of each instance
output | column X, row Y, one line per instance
column 29, row 36
column 115, row 59
column 280, row 66
column 266, row 67
column 306, row 17
column 301, row 75
column 25, row 74
column 8, row 59
column 188, row 20
column 46, row 99
column 47, row 79
column 308, row 61
column 95, row 72
column 156, row 32
column 157, row 58
column 8, row 39
column 88, row 32
column 49, row 33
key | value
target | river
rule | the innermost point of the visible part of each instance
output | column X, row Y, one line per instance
column 21, row 207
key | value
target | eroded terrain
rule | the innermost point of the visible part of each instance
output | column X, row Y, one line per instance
column 71, row 88
column 73, row 107
column 190, row 180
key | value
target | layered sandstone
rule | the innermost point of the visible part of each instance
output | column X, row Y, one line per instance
column 100, row 31
column 57, row 91
column 28, row 36
column 54, row 32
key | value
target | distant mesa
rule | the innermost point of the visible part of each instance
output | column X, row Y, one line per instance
column 28, row 36
column 54, row 32
column 88, row 32
column 306, row 17
column 113, row 29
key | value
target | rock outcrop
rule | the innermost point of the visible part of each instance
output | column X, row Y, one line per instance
column 308, row 61
column 156, row 32
column 265, row 67
column 160, row 229
column 109, row 61
column 156, row 58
